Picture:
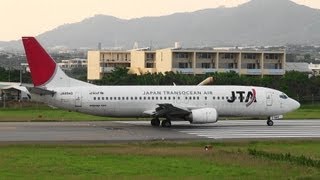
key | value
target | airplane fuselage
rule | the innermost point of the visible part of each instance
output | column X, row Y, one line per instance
column 133, row 101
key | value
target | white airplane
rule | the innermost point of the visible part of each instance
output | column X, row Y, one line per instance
column 196, row 104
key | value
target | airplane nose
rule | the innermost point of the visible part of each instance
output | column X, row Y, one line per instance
column 295, row 105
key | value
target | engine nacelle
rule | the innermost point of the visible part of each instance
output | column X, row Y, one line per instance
column 204, row 115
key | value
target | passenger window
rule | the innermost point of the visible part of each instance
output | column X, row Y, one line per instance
column 198, row 98
column 131, row 98
column 222, row 97
column 110, row 98
column 186, row 98
column 160, row 97
column 135, row 98
column 178, row 97
column 152, row 98
column 218, row 97
column 156, row 98
column 169, row 98
column 119, row 98
column 127, row 98
column 205, row 98
column 173, row 98
column 94, row 98
column 148, row 98
column 98, row 98
column 144, row 98
column 140, row 98
column 214, row 97
column 165, row 98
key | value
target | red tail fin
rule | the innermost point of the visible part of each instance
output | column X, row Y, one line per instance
column 42, row 66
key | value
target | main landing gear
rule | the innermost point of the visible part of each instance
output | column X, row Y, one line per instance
column 269, row 122
column 165, row 123
column 155, row 122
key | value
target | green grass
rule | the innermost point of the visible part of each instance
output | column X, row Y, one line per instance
column 47, row 114
column 305, row 112
column 154, row 160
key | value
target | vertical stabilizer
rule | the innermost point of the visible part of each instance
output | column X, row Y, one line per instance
column 45, row 72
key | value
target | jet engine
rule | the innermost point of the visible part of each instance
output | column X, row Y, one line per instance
column 202, row 116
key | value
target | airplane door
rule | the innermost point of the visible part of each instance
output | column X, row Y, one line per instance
column 269, row 98
column 78, row 99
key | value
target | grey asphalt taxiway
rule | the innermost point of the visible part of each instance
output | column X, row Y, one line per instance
column 112, row 131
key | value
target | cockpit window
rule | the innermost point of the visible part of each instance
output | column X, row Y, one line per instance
column 283, row 96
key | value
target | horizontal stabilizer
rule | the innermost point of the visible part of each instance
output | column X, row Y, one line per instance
column 41, row 91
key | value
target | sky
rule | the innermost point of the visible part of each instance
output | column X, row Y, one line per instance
column 33, row 17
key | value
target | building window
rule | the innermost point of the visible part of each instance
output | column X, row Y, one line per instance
column 272, row 56
column 150, row 56
column 183, row 65
column 204, row 55
column 227, row 56
column 231, row 66
column 251, row 66
column 149, row 65
column 182, row 55
column 205, row 65
column 250, row 56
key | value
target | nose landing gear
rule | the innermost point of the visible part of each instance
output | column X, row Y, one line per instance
column 269, row 122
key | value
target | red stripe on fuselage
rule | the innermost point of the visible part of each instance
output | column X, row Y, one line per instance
column 41, row 65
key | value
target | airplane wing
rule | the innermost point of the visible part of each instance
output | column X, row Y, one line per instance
column 165, row 110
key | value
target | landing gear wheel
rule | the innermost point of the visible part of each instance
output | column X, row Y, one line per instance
column 270, row 122
column 166, row 123
column 155, row 122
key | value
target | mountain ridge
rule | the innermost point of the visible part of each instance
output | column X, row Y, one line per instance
column 257, row 22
